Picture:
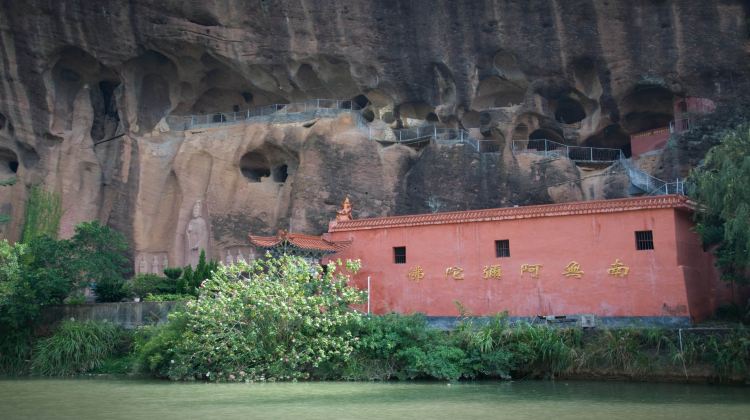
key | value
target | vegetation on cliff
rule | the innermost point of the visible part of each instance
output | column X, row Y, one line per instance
column 722, row 190
column 43, row 213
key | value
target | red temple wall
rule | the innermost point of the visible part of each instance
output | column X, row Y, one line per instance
column 644, row 142
column 655, row 285
column 706, row 291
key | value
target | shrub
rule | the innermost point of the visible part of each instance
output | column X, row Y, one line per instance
column 168, row 297
column 542, row 349
column 151, row 284
column 15, row 350
column 281, row 319
column 31, row 276
column 110, row 290
column 98, row 255
column 154, row 347
column 405, row 347
column 722, row 192
column 75, row 347
column 173, row 273
column 191, row 279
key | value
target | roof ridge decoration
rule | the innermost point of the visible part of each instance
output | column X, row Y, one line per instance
column 298, row 240
column 525, row 212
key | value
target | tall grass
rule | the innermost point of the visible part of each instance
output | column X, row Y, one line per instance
column 15, row 350
column 76, row 347
column 43, row 213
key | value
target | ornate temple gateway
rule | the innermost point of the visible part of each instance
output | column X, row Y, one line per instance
column 311, row 248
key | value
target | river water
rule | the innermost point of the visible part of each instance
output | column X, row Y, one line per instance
column 136, row 399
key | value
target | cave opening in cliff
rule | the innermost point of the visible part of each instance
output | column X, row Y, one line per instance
column 154, row 74
column 255, row 166
column 415, row 110
column 154, row 102
column 280, row 173
column 368, row 115
column 8, row 163
column 612, row 137
column 104, row 103
column 497, row 92
column 569, row 111
column 546, row 134
column 646, row 108
column 3, row 120
column 309, row 82
column 360, row 101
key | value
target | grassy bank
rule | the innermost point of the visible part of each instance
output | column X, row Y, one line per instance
column 396, row 347
column 283, row 320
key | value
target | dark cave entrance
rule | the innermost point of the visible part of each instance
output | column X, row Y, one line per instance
column 255, row 166
column 360, row 102
column 106, row 118
column 646, row 108
column 280, row 173
column 8, row 163
column 546, row 134
column 268, row 162
column 569, row 111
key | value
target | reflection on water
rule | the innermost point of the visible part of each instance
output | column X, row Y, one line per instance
column 129, row 399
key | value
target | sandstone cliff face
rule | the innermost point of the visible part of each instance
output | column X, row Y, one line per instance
column 75, row 73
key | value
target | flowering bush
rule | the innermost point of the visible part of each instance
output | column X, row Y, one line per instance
column 276, row 319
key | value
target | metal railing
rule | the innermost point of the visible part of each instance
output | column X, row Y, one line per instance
column 678, row 126
column 650, row 184
column 549, row 148
column 638, row 178
column 279, row 113
column 441, row 136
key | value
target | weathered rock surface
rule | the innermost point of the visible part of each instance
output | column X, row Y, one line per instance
column 75, row 73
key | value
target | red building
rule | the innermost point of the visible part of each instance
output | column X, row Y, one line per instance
column 624, row 261
column 685, row 110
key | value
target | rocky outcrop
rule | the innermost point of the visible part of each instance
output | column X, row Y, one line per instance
column 89, row 92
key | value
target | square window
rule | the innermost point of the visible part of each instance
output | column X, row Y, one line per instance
column 644, row 239
column 502, row 248
column 399, row 254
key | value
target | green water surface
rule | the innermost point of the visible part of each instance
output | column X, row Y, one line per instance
column 135, row 399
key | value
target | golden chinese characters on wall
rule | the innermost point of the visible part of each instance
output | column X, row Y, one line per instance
column 573, row 269
column 492, row 272
column 456, row 273
column 416, row 273
column 618, row 269
column 495, row 271
column 532, row 269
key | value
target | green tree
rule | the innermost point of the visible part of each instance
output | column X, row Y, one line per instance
column 192, row 278
column 721, row 187
column 14, row 290
column 31, row 276
column 277, row 318
column 98, row 254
